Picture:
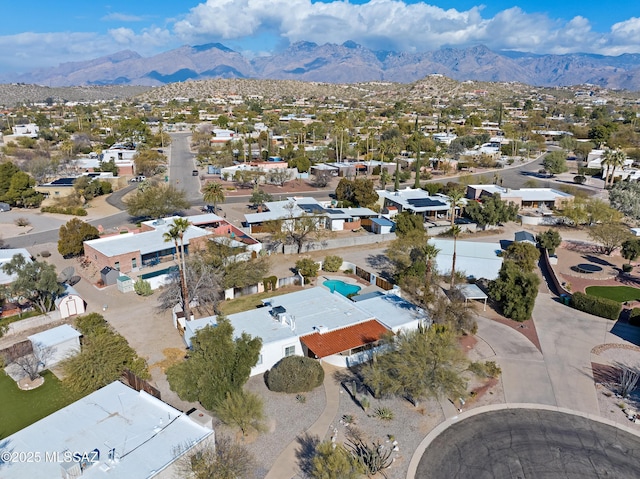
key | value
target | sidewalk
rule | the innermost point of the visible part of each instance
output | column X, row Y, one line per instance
column 286, row 465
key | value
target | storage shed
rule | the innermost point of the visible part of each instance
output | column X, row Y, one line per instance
column 54, row 345
column 109, row 275
column 70, row 304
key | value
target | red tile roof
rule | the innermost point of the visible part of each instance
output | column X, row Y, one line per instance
column 343, row 339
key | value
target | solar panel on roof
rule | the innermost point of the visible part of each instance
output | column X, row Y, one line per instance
column 63, row 181
column 425, row 202
column 310, row 208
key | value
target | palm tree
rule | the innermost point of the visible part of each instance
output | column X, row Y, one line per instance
column 430, row 253
column 213, row 193
column 455, row 231
column 612, row 159
column 175, row 233
column 455, row 201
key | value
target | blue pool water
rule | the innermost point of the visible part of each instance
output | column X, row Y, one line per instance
column 341, row 287
column 159, row 272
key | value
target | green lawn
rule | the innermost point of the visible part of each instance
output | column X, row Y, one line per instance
column 19, row 409
column 616, row 293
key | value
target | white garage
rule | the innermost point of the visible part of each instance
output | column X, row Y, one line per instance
column 54, row 345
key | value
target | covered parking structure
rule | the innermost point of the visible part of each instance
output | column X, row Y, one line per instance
column 472, row 291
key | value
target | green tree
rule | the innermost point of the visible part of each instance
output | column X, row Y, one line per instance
column 516, row 290
column 35, row 280
column 420, row 364
column 524, row 255
column 72, row 236
column 549, row 240
column 224, row 459
column 334, row 461
column 492, row 211
column 625, row 197
column 555, row 162
column 149, row 162
column 612, row 159
column 456, row 201
column 631, row 249
column 104, row 356
column 21, row 192
column 242, row 409
column 357, row 192
column 259, row 197
column 406, row 223
column 609, row 236
column 213, row 193
column 217, row 364
column 176, row 234
column 308, row 268
column 156, row 201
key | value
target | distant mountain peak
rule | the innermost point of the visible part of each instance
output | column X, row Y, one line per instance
column 350, row 44
column 212, row 46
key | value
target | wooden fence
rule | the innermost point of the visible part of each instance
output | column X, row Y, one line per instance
column 361, row 273
column 139, row 384
column 16, row 351
column 383, row 283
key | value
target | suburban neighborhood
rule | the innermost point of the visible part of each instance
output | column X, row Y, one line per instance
column 317, row 286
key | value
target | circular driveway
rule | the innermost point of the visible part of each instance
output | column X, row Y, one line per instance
column 531, row 444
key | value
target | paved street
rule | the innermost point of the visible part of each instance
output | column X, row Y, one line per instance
column 531, row 444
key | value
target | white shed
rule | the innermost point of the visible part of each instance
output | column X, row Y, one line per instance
column 54, row 345
column 70, row 303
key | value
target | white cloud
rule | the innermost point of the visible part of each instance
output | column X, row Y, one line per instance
column 122, row 17
column 378, row 24
column 395, row 24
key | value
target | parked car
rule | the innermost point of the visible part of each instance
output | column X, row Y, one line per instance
column 194, row 173
column 138, row 179
column 4, row 207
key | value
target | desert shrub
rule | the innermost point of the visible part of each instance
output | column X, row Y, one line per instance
column 142, row 287
column 580, row 179
column 627, row 268
column 270, row 283
column 22, row 221
column 332, row 263
column 384, row 413
column 487, row 369
column 307, row 268
column 294, row 374
column 603, row 307
column 76, row 211
column 45, row 254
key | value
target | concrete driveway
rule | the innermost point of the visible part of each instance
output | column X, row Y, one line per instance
column 525, row 378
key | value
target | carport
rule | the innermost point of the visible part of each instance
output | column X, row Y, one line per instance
column 472, row 291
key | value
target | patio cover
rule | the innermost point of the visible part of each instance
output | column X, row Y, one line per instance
column 472, row 291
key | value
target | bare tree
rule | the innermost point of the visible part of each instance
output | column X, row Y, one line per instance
column 222, row 459
column 203, row 283
column 32, row 364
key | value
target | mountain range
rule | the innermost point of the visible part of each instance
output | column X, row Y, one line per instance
column 345, row 63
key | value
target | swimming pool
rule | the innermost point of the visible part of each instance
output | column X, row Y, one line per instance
column 341, row 287
column 169, row 270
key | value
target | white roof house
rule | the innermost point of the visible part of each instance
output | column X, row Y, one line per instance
column 5, row 256
column 317, row 320
column 115, row 432
column 417, row 201
column 56, row 344
column 479, row 260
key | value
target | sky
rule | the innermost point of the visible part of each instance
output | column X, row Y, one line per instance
column 44, row 33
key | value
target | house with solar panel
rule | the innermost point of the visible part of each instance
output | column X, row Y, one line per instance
column 62, row 187
column 320, row 324
column 330, row 217
column 435, row 209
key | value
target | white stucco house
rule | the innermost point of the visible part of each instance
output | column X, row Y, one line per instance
column 319, row 324
column 115, row 432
